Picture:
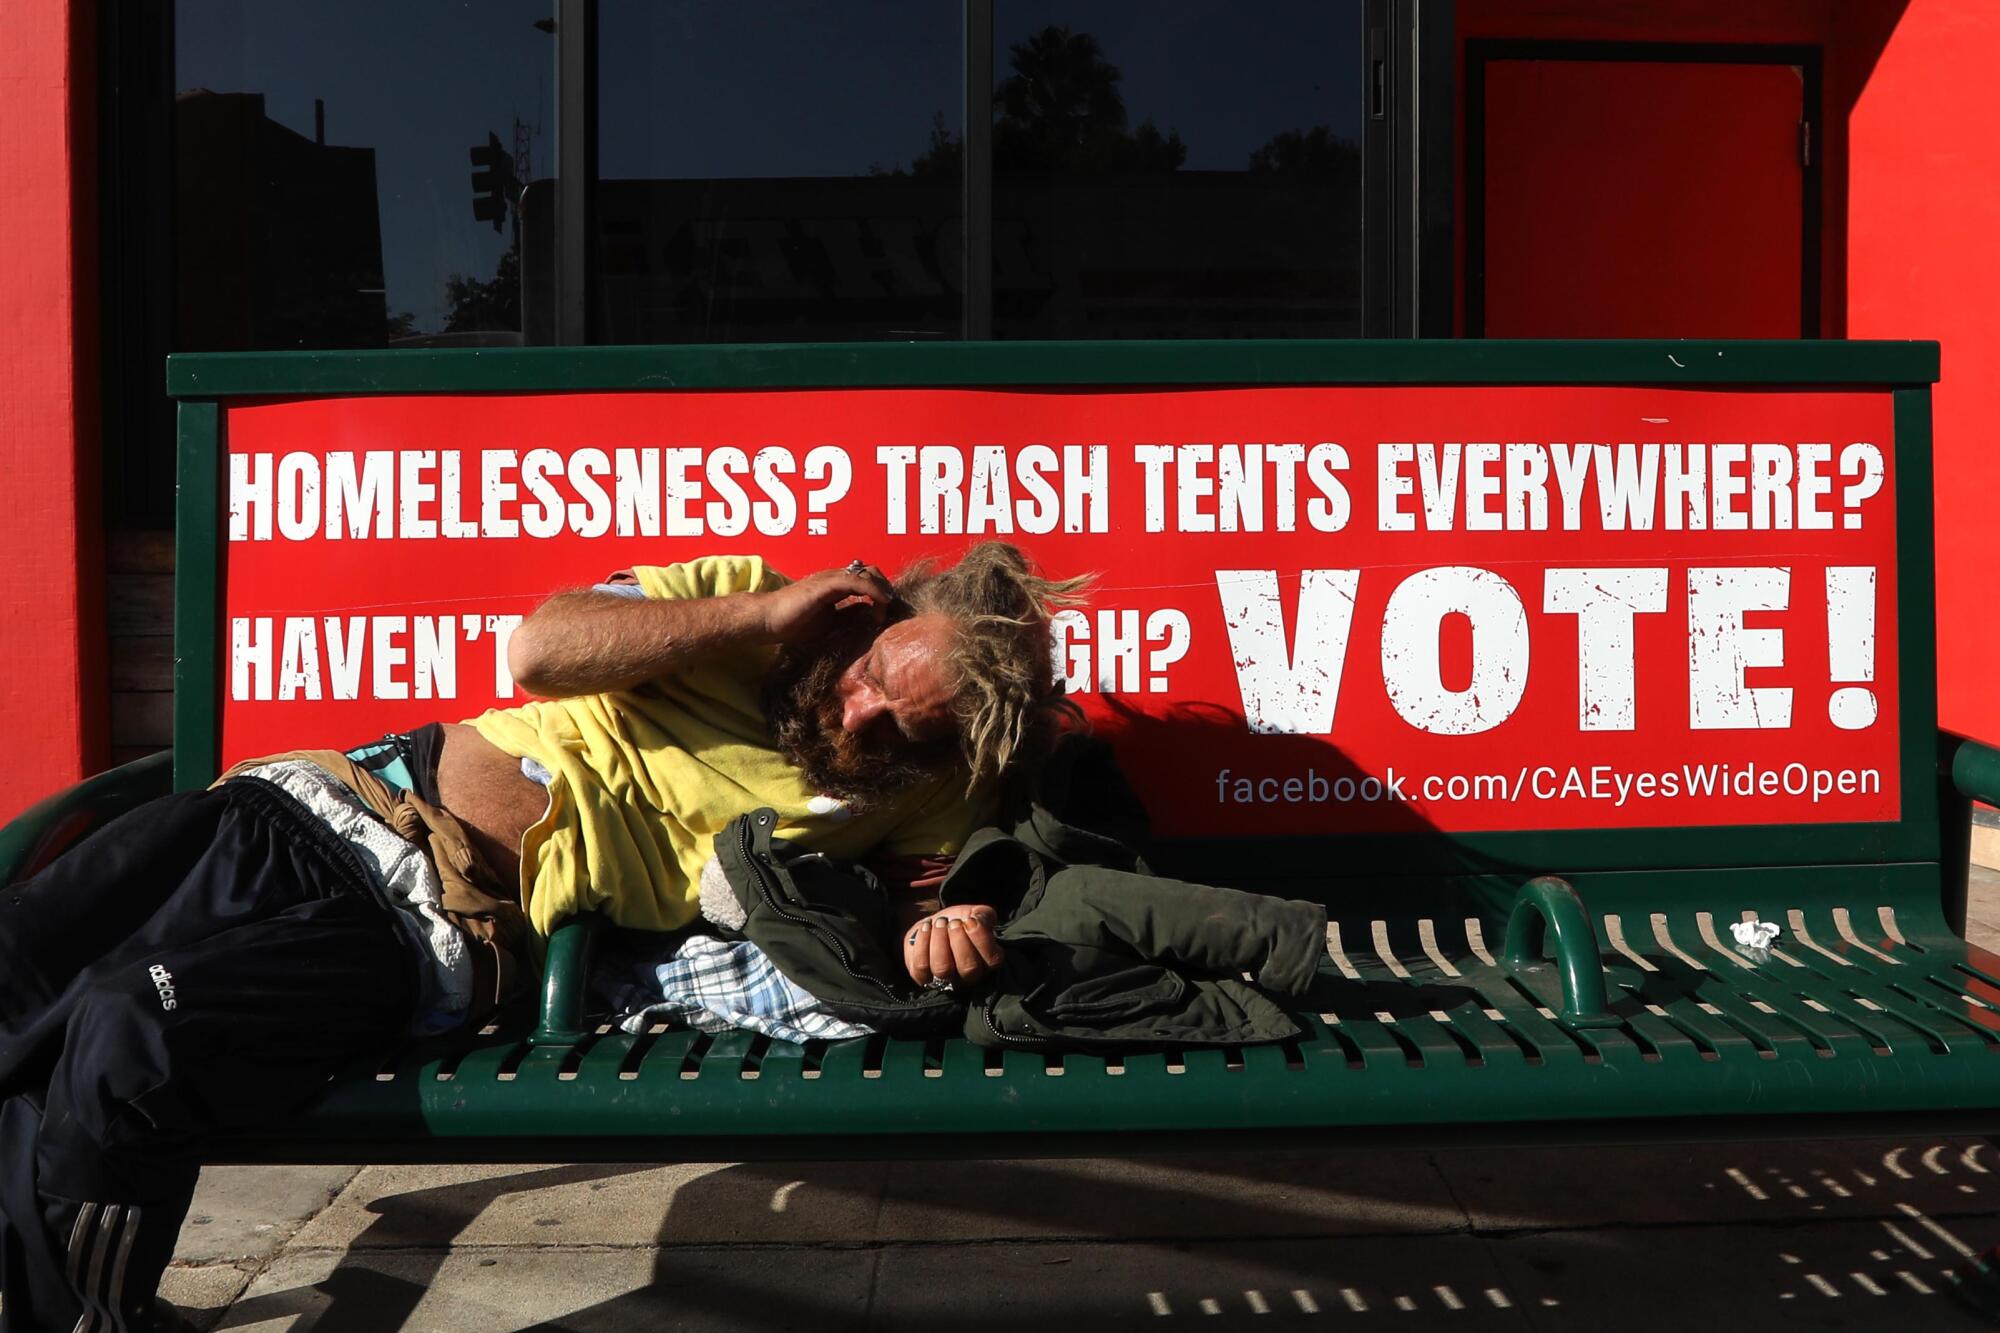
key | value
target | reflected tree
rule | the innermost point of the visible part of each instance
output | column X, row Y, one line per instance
column 1059, row 112
column 473, row 304
column 941, row 157
column 1314, row 152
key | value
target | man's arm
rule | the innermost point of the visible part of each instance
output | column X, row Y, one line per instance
column 590, row 642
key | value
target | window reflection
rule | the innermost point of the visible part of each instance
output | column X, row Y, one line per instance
column 766, row 170
column 323, row 176
column 777, row 171
column 1177, row 168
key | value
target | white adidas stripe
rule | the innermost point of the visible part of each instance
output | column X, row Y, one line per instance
column 105, row 1231
column 114, row 1295
column 113, row 1216
column 79, row 1243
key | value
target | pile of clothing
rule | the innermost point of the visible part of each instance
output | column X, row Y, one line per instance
column 1100, row 952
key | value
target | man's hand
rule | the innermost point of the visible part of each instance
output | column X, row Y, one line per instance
column 956, row 945
column 812, row 607
column 909, row 879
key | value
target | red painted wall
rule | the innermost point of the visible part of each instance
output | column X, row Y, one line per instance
column 1924, row 261
column 51, row 661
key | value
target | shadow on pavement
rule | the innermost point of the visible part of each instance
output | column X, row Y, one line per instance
column 1841, row 1236
column 358, row 1299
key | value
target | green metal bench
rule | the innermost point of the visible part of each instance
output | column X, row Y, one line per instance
column 1507, row 986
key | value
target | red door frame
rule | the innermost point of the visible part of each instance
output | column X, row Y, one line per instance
column 1809, row 59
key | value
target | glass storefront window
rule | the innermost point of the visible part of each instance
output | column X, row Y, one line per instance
column 777, row 171
column 323, row 176
column 764, row 170
column 1177, row 169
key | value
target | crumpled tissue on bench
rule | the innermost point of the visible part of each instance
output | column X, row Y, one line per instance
column 1756, row 935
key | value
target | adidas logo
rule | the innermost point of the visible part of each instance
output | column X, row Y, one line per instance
column 163, row 982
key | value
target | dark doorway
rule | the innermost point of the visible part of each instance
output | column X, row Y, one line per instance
column 1636, row 190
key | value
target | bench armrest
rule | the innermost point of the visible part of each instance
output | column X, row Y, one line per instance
column 565, row 974
column 1548, row 906
column 38, row 834
column 1975, row 771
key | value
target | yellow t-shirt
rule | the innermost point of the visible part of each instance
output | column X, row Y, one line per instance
column 643, row 779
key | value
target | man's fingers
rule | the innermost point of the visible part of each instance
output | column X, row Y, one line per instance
column 850, row 588
column 930, row 874
column 966, row 963
column 867, row 581
column 979, row 933
column 957, row 945
column 942, row 962
column 917, row 953
column 873, row 583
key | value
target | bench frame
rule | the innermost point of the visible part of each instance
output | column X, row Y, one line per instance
column 1629, row 1042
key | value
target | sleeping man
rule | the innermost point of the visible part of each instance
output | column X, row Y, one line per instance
column 206, row 962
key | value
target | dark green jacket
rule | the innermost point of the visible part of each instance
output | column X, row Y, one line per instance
column 1097, row 954
column 828, row 926
column 1100, row 956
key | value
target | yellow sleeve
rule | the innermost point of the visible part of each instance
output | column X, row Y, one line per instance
column 942, row 821
column 709, row 576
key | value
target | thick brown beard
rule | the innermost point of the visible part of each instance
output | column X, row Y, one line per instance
column 802, row 704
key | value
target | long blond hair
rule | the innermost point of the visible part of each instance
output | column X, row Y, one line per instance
column 1006, row 700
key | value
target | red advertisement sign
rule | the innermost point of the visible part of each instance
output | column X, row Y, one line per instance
column 1317, row 609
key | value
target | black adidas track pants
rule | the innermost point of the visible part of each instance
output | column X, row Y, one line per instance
column 203, row 963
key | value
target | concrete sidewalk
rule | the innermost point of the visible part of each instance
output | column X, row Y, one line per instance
column 1819, row 1236
column 1839, row 1235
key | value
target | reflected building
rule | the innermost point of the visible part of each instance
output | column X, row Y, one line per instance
column 281, row 235
column 1186, row 254
column 1207, row 254
column 1232, row 211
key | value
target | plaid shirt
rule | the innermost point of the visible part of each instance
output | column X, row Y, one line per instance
column 714, row 985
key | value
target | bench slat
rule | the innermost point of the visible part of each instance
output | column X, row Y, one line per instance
column 1495, row 1046
column 494, row 1086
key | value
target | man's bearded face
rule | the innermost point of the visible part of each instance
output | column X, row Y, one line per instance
column 802, row 700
